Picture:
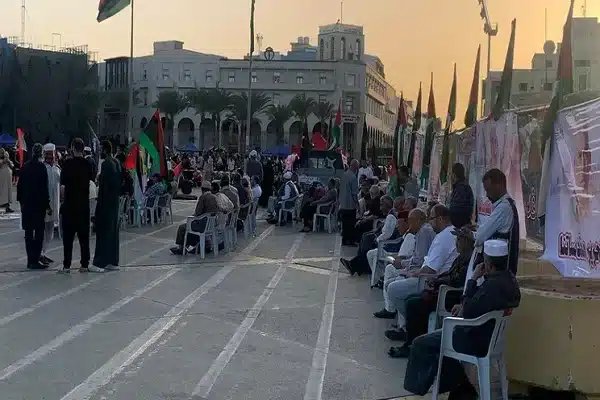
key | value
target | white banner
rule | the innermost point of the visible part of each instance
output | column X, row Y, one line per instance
column 572, row 233
column 497, row 146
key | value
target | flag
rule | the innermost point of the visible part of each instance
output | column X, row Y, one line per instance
column 416, row 127
column 21, row 146
column 365, row 142
column 373, row 151
column 396, row 139
column 429, row 135
column 503, row 99
column 152, row 140
column 336, row 131
column 562, row 86
column 177, row 170
column 449, row 121
column 252, row 27
column 108, row 8
column 133, row 164
column 471, row 114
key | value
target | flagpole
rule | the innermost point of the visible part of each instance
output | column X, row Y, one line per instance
column 130, row 111
column 250, row 60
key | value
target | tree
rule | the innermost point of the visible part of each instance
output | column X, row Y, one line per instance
column 302, row 106
column 324, row 111
column 171, row 103
column 219, row 102
column 119, row 100
column 279, row 115
column 259, row 104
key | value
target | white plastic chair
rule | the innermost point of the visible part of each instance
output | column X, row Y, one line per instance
column 247, row 222
column 221, row 230
column 382, row 258
column 208, row 231
column 231, row 230
column 436, row 317
column 288, row 207
column 484, row 364
column 123, row 210
column 148, row 208
column 328, row 216
column 254, row 213
column 164, row 209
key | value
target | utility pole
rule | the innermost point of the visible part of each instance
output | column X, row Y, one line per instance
column 23, row 17
column 490, row 30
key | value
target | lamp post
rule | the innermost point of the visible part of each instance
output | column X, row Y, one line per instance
column 250, row 60
column 490, row 30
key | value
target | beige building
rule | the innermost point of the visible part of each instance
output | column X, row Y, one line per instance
column 335, row 70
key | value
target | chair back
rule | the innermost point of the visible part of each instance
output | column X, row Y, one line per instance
column 221, row 220
column 163, row 200
column 498, row 335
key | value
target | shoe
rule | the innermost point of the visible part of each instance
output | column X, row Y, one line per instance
column 9, row 210
column 347, row 265
column 400, row 352
column 384, row 314
column 112, row 268
column 63, row 270
column 37, row 266
column 396, row 335
column 46, row 260
column 83, row 269
column 93, row 268
column 178, row 251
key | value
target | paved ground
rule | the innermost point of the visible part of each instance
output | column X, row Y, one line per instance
column 274, row 320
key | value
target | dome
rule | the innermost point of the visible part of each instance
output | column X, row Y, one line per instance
column 549, row 47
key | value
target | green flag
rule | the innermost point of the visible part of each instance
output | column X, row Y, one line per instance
column 152, row 139
column 503, row 99
column 429, row 135
column 471, row 114
column 449, row 121
column 416, row 126
column 108, row 8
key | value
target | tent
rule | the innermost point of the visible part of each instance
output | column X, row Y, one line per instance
column 189, row 148
column 277, row 151
column 7, row 140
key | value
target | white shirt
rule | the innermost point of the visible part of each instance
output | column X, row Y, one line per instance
column 256, row 192
column 442, row 252
column 366, row 171
column 93, row 190
column 408, row 245
column 388, row 228
column 500, row 220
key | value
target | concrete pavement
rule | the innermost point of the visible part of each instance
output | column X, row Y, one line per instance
column 274, row 320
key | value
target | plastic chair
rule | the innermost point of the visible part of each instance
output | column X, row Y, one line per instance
column 123, row 211
column 288, row 207
column 483, row 364
column 221, row 231
column 326, row 216
column 208, row 231
column 148, row 206
column 436, row 317
column 254, row 213
column 164, row 209
column 382, row 258
column 231, row 230
column 247, row 222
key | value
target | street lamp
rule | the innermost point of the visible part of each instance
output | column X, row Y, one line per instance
column 59, row 39
column 490, row 30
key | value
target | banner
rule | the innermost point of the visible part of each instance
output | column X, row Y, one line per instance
column 434, row 184
column 497, row 146
column 418, row 159
column 572, row 233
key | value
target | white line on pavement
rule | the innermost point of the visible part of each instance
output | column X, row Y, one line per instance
column 314, row 385
column 19, row 282
column 117, row 364
column 209, row 379
column 10, row 232
column 78, row 330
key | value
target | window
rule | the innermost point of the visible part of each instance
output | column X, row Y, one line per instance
column 349, row 104
column 322, row 98
column 343, row 49
column 523, row 87
column 582, row 63
column 165, row 73
column 548, row 86
column 187, row 75
column 299, row 79
column 254, row 77
column 231, row 77
column 351, row 80
column 145, row 75
column 208, row 77
column 583, row 82
column 276, row 99
column 276, row 77
column 332, row 49
column 321, row 49
column 358, row 49
column 145, row 97
column 548, row 63
column 322, row 79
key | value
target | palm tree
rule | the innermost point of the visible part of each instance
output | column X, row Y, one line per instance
column 259, row 104
column 219, row 101
column 279, row 115
column 324, row 111
column 302, row 106
column 170, row 103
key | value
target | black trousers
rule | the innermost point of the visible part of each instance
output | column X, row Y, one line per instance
column 418, row 308
column 348, row 218
column 76, row 224
column 34, row 238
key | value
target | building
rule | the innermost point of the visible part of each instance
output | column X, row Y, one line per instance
column 336, row 71
column 533, row 87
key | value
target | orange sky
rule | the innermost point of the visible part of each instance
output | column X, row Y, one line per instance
column 412, row 38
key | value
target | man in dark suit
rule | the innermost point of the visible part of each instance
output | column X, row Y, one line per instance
column 33, row 195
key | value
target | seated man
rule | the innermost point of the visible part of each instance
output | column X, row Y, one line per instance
column 424, row 236
column 499, row 291
column 310, row 208
column 439, row 259
column 359, row 264
column 419, row 306
column 206, row 204
column 365, row 222
column 287, row 194
column 230, row 191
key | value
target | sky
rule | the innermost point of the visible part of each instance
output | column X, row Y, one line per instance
column 412, row 38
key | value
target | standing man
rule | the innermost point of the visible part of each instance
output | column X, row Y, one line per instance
column 409, row 184
column 106, row 256
column 75, row 179
column 349, row 203
column 51, row 220
column 462, row 201
column 254, row 167
column 32, row 194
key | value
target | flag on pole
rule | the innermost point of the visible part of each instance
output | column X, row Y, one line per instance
column 21, row 146
column 449, row 121
column 562, row 86
column 133, row 164
column 503, row 99
column 108, row 8
column 152, row 140
column 336, row 131
column 252, row 27
column 364, row 142
column 471, row 114
column 429, row 135
column 416, row 127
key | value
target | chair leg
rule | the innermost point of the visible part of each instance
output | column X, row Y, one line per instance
column 484, row 378
column 314, row 223
column 435, row 390
column 185, row 243
column 202, row 246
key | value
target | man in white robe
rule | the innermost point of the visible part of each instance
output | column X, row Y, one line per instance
column 51, row 221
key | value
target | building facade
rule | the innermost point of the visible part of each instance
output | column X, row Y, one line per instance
column 336, row 71
column 533, row 87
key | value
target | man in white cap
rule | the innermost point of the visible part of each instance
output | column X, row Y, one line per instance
column 54, row 193
column 288, row 191
column 253, row 166
column 499, row 291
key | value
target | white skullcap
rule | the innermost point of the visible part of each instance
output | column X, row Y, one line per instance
column 287, row 175
column 87, row 148
column 49, row 147
column 495, row 248
column 253, row 153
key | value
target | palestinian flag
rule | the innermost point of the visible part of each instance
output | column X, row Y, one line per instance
column 337, row 129
column 108, row 8
column 562, row 87
column 503, row 99
column 471, row 114
column 152, row 140
column 429, row 135
column 416, row 127
column 133, row 164
column 449, row 121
